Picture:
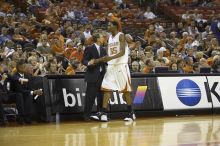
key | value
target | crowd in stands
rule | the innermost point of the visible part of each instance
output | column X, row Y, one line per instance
column 204, row 3
column 54, row 44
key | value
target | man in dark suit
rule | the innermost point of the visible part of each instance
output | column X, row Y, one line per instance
column 6, row 96
column 3, row 96
column 94, row 74
column 215, row 27
column 22, row 86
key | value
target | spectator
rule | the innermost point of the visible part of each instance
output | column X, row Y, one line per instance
column 149, row 15
column 180, row 65
column 174, row 41
column 134, row 55
column 43, row 46
column 190, row 53
column 70, row 15
column 216, row 65
column 188, row 68
column 196, row 14
column 186, row 16
column 198, row 56
column 160, row 55
column 18, row 38
column 201, row 23
column 69, row 49
column 193, row 30
column 203, row 63
column 149, row 66
column 196, row 68
column 158, row 28
column 180, row 29
column 173, row 67
column 173, row 58
column 135, row 67
column 149, row 54
column 87, row 33
column 139, row 14
column 78, row 53
column 72, row 66
column 4, row 35
column 206, row 32
column 53, row 68
column 8, row 49
column 118, row 2
column 124, row 5
column 57, row 42
column 130, row 41
column 142, row 59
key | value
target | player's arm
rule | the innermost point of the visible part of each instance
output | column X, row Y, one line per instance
column 122, row 50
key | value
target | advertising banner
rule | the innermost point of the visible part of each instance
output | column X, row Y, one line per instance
column 214, row 85
column 68, row 95
column 145, row 95
column 180, row 93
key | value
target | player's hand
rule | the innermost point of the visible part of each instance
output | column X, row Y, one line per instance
column 38, row 92
column 4, row 77
column 91, row 62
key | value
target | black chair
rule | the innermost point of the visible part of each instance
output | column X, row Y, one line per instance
column 161, row 69
column 174, row 71
column 205, row 70
column 9, row 108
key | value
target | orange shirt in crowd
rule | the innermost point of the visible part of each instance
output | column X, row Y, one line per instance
column 70, row 70
column 77, row 55
column 68, row 52
column 210, row 61
column 33, row 32
column 182, row 42
column 146, row 69
column 57, row 46
column 6, row 7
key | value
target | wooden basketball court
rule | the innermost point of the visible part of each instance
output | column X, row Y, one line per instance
column 172, row 131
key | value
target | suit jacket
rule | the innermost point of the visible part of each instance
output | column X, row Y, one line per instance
column 4, row 91
column 16, row 86
column 93, row 72
column 215, row 30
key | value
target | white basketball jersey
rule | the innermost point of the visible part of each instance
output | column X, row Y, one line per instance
column 114, row 48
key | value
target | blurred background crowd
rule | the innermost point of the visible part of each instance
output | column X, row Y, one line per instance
column 51, row 35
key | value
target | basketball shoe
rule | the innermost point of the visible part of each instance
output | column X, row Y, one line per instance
column 130, row 117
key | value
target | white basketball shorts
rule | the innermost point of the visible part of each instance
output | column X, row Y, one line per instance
column 117, row 78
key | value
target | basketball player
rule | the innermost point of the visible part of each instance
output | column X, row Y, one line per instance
column 117, row 76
